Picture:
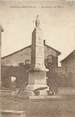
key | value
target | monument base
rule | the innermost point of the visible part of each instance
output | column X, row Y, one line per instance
column 37, row 84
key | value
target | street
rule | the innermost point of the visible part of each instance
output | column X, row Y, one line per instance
column 64, row 107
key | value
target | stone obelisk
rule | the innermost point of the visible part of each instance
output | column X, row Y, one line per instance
column 1, row 30
column 37, row 74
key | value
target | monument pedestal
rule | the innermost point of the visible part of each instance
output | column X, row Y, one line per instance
column 37, row 84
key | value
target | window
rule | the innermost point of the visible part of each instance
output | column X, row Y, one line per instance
column 27, row 62
column 49, row 59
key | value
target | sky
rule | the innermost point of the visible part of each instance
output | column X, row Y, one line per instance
column 57, row 20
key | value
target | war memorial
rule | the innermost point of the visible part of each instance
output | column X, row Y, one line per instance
column 37, row 81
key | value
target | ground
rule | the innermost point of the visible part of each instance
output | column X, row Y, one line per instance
column 64, row 107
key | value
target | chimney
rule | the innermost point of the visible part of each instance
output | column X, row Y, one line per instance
column 44, row 42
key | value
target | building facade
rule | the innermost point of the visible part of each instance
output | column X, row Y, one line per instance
column 18, row 63
column 68, row 65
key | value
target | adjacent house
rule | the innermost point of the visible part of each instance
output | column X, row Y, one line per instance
column 68, row 65
column 18, row 63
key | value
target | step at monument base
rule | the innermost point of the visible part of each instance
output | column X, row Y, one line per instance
column 37, row 90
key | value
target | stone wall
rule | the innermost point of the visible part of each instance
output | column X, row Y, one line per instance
column 69, row 68
column 69, row 65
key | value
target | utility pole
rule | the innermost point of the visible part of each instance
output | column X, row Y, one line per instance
column 1, row 30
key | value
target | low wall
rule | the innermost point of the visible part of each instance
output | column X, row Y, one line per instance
column 66, row 91
column 12, row 113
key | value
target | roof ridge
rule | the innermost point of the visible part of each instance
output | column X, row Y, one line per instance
column 16, row 51
column 27, row 47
